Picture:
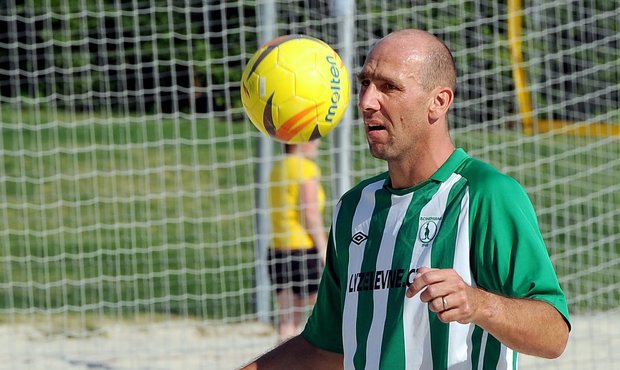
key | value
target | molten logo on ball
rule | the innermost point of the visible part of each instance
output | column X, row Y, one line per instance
column 295, row 88
column 336, row 87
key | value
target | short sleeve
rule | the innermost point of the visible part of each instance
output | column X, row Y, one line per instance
column 324, row 326
column 510, row 255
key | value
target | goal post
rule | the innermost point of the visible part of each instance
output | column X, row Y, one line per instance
column 342, row 13
column 264, row 154
column 524, row 97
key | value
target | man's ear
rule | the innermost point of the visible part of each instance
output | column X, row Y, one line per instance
column 442, row 100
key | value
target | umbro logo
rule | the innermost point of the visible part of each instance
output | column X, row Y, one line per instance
column 359, row 237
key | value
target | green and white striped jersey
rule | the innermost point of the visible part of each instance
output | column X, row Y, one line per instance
column 467, row 216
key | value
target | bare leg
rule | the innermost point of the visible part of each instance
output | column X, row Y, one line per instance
column 292, row 312
column 286, row 317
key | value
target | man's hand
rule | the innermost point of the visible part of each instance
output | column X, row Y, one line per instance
column 446, row 294
column 528, row 326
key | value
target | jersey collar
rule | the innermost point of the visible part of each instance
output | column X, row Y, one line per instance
column 447, row 169
column 442, row 174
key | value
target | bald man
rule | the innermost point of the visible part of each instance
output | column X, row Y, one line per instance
column 437, row 263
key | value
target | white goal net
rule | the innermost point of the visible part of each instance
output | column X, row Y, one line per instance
column 131, row 222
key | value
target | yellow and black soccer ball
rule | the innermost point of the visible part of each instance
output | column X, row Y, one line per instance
column 295, row 88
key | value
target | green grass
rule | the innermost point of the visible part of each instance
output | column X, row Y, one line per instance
column 105, row 214
column 126, row 216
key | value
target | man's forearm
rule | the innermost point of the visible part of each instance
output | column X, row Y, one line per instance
column 296, row 353
column 527, row 326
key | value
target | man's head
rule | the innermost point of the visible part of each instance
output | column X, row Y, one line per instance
column 308, row 149
column 439, row 68
column 406, row 88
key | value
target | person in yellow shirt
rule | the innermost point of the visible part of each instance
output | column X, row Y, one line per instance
column 296, row 200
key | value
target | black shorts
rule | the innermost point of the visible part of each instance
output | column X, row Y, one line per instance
column 299, row 270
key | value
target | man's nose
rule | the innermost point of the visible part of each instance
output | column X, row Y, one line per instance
column 368, row 99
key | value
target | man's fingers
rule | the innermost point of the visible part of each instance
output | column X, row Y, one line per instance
column 419, row 282
column 435, row 305
column 423, row 270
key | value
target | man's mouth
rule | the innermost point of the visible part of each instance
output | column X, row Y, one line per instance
column 376, row 128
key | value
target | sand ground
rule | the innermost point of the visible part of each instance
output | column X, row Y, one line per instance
column 190, row 345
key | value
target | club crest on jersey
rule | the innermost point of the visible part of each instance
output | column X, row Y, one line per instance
column 427, row 231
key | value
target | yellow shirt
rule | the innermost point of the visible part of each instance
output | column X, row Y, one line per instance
column 284, row 201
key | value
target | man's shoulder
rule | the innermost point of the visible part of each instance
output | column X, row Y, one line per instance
column 355, row 191
column 484, row 177
column 490, row 186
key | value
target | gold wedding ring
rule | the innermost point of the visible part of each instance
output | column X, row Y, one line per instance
column 445, row 303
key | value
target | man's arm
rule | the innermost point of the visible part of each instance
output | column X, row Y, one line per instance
column 527, row 326
column 296, row 353
column 312, row 217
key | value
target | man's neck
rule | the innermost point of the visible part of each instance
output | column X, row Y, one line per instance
column 417, row 168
